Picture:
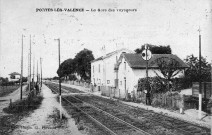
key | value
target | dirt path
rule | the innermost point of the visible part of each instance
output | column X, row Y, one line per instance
column 14, row 96
column 45, row 120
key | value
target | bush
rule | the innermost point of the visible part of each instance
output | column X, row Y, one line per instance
column 156, row 84
column 171, row 100
column 181, row 83
column 24, row 105
column 159, row 85
column 72, row 77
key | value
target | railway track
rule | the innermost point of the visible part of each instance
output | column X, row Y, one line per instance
column 63, row 88
column 166, row 121
column 112, row 124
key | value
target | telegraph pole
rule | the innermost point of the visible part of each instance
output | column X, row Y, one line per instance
column 37, row 71
column 33, row 85
column 200, row 85
column 37, row 76
column 30, row 66
column 211, row 107
column 41, row 71
column 28, row 71
column 59, row 78
column 21, row 68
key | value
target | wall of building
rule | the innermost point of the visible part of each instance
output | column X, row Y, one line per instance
column 107, row 75
column 125, row 75
column 97, row 73
column 109, row 69
column 16, row 78
column 133, row 75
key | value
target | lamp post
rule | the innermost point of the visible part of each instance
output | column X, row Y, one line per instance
column 59, row 78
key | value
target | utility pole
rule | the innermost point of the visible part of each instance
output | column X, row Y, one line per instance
column 59, row 78
column 37, row 77
column 30, row 66
column 33, row 80
column 28, row 72
column 21, row 68
column 200, row 85
column 41, row 71
column 210, row 95
column 37, row 71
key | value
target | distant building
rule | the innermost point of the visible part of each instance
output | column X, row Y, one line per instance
column 130, row 67
column 14, row 76
column 102, row 68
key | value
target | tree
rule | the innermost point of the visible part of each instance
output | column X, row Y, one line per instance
column 80, row 65
column 72, row 77
column 24, row 79
column 155, row 49
column 66, row 68
column 83, row 63
column 192, row 73
column 55, row 78
column 169, row 67
column 4, row 81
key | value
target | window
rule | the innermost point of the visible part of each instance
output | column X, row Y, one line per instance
column 108, row 81
column 12, row 77
column 120, row 82
column 125, row 66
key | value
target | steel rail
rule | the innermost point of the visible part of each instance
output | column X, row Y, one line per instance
column 156, row 120
column 118, row 119
column 106, row 113
column 87, row 114
column 92, row 118
column 181, row 121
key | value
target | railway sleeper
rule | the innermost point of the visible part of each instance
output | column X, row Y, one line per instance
column 192, row 130
column 120, row 127
column 163, row 118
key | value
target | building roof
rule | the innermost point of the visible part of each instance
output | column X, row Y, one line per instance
column 14, row 73
column 109, row 54
column 137, row 62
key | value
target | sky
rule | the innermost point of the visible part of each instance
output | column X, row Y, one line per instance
column 158, row 22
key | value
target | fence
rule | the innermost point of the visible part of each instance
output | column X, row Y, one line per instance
column 108, row 91
column 171, row 100
column 205, row 87
column 78, row 83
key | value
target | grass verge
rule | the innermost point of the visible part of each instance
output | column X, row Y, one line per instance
column 57, row 122
column 17, row 111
